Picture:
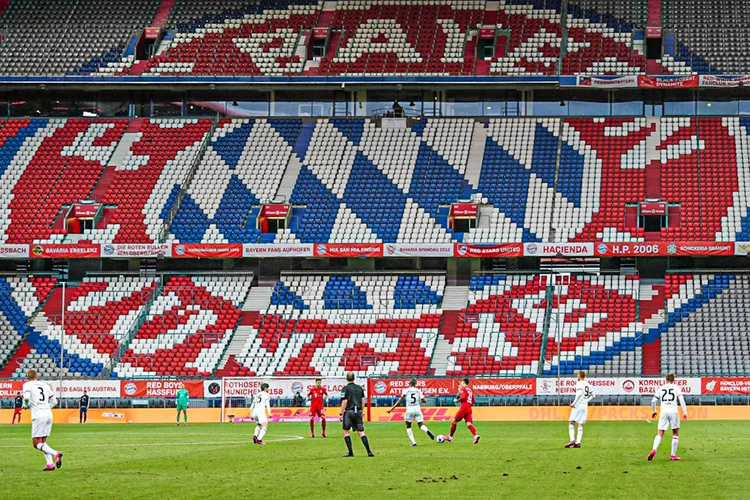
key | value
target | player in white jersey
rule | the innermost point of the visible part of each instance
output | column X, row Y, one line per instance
column 579, row 410
column 260, row 408
column 668, row 395
column 40, row 399
column 414, row 399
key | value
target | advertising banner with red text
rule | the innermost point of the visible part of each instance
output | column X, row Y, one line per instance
column 14, row 251
column 348, row 250
column 9, row 388
column 137, row 250
column 558, row 249
column 278, row 387
column 265, row 251
column 207, row 251
column 159, row 388
column 656, row 82
column 80, row 251
column 725, row 385
column 488, row 251
column 95, row 388
column 724, row 81
column 418, row 250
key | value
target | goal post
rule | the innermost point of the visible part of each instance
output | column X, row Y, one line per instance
column 234, row 389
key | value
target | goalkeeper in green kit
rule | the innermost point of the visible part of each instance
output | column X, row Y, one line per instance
column 183, row 401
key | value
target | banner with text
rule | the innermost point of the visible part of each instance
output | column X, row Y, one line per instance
column 394, row 387
column 500, row 250
column 14, row 251
column 418, row 250
column 558, row 249
column 198, row 250
column 725, row 385
column 278, row 387
column 620, row 386
column 136, row 250
column 160, row 388
column 80, row 251
column 265, row 251
column 664, row 249
column 348, row 249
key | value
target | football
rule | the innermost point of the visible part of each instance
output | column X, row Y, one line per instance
column 440, row 438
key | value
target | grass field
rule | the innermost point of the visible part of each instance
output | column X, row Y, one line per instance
column 521, row 460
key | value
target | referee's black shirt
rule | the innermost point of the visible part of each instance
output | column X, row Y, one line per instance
column 354, row 395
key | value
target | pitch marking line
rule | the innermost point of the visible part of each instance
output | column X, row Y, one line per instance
column 277, row 439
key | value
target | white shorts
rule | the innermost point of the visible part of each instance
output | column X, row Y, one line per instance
column 260, row 418
column 41, row 427
column 578, row 415
column 413, row 414
column 669, row 420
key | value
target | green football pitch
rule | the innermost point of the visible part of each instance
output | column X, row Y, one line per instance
column 518, row 460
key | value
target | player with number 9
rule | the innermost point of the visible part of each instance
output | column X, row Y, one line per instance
column 579, row 410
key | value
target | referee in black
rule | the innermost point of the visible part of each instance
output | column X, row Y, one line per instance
column 352, row 404
column 83, row 408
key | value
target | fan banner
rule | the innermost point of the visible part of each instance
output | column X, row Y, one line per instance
column 94, row 388
column 418, row 250
column 614, row 82
column 159, row 388
column 14, row 251
column 488, row 251
column 443, row 387
column 725, row 385
column 200, row 250
column 348, row 250
column 278, row 387
column 9, row 388
column 664, row 249
column 558, row 249
column 301, row 250
column 667, row 82
column 741, row 248
column 80, row 251
column 617, row 386
column 137, row 250
column 724, row 81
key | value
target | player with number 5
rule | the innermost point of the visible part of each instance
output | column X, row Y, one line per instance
column 668, row 395
column 414, row 399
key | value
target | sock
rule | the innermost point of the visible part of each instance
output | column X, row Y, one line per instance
column 48, row 458
column 348, row 440
column 580, row 434
column 453, row 429
column 262, row 433
column 657, row 440
column 178, row 417
column 675, row 442
column 572, row 432
column 323, row 424
column 366, row 442
column 424, row 429
column 472, row 429
column 410, row 433
column 312, row 426
column 257, row 431
column 45, row 448
column 185, row 417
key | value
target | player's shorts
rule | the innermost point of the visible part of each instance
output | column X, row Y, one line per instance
column 464, row 415
column 353, row 420
column 413, row 414
column 668, row 420
column 317, row 411
column 41, row 427
column 84, row 409
column 18, row 411
column 181, row 407
column 578, row 415
column 260, row 418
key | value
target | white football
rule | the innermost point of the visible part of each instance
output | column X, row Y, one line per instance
column 440, row 438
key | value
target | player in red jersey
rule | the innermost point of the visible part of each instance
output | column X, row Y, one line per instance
column 466, row 398
column 318, row 397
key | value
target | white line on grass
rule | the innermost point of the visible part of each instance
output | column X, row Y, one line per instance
column 235, row 442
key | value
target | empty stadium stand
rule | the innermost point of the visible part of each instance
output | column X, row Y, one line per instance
column 330, row 324
column 187, row 328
